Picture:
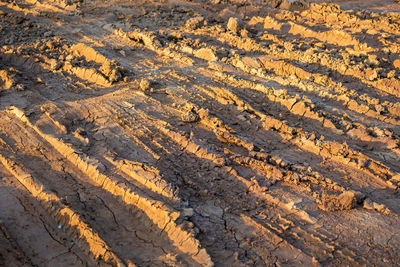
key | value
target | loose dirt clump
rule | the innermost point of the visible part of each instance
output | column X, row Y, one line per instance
column 234, row 25
column 345, row 201
column 6, row 79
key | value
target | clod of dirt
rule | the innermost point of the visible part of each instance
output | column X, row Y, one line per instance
column 112, row 71
column 190, row 116
column 371, row 205
column 55, row 65
column 69, row 57
column 285, row 4
column 206, row 54
column 81, row 135
column 345, row 201
column 234, row 25
column 145, row 85
column 368, row 204
column 194, row 23
column 360, row 197
column 396, row 64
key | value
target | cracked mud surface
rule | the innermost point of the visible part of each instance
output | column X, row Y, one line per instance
column 199, row 133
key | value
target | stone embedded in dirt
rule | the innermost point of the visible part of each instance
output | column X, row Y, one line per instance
column 234, row 25
column 190, row 116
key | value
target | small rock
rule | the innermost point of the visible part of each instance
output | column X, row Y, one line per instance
column 234, row 25
column 190, row 116
column 187, row 212
column 145, row 85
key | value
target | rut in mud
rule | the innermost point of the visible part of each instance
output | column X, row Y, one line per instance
column 189, row 133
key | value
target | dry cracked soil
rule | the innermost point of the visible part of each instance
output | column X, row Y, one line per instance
column 199, row 133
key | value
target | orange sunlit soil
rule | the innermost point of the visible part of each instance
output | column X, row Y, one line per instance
column 199, row 133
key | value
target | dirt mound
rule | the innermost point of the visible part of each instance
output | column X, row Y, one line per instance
column 199, row 133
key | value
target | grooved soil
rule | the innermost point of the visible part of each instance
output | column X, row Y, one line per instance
column 199, row 133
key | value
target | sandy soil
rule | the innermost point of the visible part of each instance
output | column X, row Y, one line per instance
column 199, row 133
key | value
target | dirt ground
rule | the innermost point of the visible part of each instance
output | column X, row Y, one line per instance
column 199, row 133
